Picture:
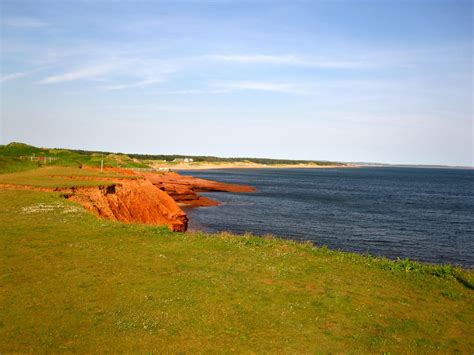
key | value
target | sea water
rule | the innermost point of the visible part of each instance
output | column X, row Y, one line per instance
column 424, row 214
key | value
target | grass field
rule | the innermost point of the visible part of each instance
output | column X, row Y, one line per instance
column 72, row 282
column 66, row 157
column 75, row 158
column 14, row 164
column 58, row 176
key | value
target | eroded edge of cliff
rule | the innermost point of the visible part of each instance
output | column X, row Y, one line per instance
column 152, row 198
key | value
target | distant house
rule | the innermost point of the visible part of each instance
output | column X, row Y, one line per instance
column 185, row 160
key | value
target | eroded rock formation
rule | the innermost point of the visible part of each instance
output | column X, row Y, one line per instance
column 133, row 201
column 150, row 198
column 185, row 189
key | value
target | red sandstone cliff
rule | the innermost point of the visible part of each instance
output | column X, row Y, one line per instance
column 151, row 198
column 133, row 201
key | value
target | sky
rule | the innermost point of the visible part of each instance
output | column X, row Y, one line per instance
column 363, row 81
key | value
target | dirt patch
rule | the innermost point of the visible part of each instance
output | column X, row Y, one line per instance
column 45, row 207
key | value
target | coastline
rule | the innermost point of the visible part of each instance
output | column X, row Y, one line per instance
column 164, row 279
column 124, row 195
column 207, row 166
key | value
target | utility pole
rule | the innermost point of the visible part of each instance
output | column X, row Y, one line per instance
column 102, row 164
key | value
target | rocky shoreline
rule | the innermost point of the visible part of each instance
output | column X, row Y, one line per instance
column 153, row 198
column 149, row 198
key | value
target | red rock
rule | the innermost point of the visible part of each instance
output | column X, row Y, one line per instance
column 151, row 198
column 133, row 201
column 155, row 199
column 184, row 189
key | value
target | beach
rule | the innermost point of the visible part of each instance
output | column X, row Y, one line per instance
column 244, row 165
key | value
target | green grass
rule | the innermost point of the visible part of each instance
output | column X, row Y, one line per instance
column 56, row 176
column 73, row 158
column 19, row 149
column 73, row 282
column 14, row 164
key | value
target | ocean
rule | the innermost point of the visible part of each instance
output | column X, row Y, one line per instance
column 419, row 213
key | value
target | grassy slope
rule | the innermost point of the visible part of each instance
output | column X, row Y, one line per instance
column 14, row 164
column 65, row 157
column 72, row 282
column 55, row 176
column 72, row 157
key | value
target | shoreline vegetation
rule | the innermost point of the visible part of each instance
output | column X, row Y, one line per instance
column 75, row 157
column 125, row 282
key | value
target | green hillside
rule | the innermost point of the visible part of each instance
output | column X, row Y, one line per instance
column 24, row 156
column 72, row 157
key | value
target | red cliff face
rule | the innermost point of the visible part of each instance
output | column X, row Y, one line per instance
column 153, row 199
column 133, row 201
column 150, row 198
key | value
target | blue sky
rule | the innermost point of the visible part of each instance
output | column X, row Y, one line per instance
column 382, row 81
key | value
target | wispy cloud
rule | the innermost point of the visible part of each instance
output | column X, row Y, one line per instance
column 18, row 75
column 259, row 86
column 193, row 92
column 138, row 84
column 118, row 70
column 258, row 58
column 13, row 76
column 22, row 22
column 291, row 60
column 149, row 107
column 82, row 73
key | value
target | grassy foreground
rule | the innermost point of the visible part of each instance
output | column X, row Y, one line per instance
column 72, row 282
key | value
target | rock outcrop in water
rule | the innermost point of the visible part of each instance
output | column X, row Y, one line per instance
column 185, row 189
column 153, row 198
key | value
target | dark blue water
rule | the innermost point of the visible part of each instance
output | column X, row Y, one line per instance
column 422, row 214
